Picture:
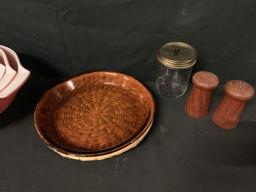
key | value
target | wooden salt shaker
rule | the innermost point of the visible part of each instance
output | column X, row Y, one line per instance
column 228, row 112
column 199, row 100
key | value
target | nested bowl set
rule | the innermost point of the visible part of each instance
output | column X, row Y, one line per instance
column 12, row 76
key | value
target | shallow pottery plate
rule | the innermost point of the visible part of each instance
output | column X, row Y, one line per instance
column 94, row 116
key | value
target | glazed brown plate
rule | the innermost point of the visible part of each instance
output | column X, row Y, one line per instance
column 94, row 116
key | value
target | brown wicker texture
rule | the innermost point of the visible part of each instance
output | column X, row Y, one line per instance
column 95, row 115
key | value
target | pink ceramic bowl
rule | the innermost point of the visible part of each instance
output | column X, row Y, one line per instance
column 8, row 93
column 9, row 73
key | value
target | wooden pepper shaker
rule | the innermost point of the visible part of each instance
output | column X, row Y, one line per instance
column 228, row 112
column 199, row 100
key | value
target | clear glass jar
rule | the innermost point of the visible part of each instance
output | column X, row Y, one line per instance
column 177, row 60
column 173, row 83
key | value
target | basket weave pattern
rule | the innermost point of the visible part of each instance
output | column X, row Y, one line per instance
column 94, row 112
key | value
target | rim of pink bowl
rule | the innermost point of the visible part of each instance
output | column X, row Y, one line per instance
column 2, row 70
column 21, row 76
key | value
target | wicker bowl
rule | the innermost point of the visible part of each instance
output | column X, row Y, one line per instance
column 94, row 116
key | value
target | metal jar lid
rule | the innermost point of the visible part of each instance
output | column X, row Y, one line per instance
column 177, row 55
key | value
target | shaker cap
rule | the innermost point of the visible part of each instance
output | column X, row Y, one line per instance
column 177, row 55
column 239, row 90
column 205, row 80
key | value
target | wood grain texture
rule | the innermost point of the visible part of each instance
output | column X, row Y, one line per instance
column 200, row 97
column 94, row 114
column 228, row 112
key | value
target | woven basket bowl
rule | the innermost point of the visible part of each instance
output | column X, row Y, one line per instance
column 94, row 116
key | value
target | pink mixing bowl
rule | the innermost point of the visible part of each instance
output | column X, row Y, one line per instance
column 8, row 93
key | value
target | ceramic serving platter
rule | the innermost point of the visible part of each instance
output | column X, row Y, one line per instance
column 94, row 116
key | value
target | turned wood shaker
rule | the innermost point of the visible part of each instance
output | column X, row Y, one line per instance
column 199, row 100
column 228, row 112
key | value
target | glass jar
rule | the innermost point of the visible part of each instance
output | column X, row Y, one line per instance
column 177, row 60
